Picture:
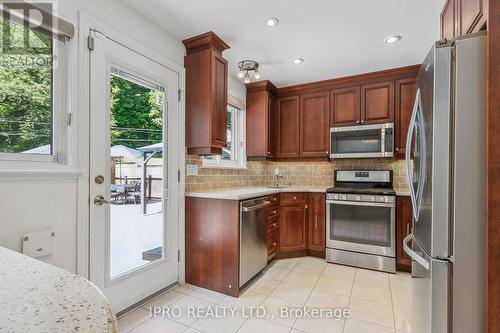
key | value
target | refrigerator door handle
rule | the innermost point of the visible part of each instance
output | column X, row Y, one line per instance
column 409, row 139
column 421, row 261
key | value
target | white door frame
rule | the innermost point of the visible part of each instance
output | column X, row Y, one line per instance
column 87, row 23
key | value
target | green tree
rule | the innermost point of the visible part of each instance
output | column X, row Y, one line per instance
column 25, row 99
column 136, row 114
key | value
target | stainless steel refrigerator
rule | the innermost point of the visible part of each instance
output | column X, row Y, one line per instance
column 446, row 166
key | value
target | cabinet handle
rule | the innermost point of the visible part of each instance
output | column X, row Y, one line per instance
column 268, row 153
column 274, row 225
column 294, row 198
column 357, row 121
column 362, row 121
column 307, row 206
column 397, row 149
column 274, row 198
column 274, row 244
column 326, row 152
column 315, row 221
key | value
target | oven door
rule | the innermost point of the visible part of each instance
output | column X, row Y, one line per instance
column 365, row 227
column 366, row 141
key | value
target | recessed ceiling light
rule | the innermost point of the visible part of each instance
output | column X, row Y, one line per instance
column 272, row 21
column 298, row 61
column 392, row 39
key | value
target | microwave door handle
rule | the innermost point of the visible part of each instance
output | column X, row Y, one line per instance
column 413, row 255
column 409, row 139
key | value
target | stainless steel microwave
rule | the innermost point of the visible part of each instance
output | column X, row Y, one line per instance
column 366, row 141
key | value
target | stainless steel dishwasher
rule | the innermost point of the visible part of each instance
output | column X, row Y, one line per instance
column 253, row 237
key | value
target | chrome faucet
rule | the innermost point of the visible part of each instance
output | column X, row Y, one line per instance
column 277, row 176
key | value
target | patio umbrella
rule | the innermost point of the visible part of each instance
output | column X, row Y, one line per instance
column 120, row 151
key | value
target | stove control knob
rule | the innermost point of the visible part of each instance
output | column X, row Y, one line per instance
column 358, row 198
column 336, row 197
column 344, row 197
column 373, row 198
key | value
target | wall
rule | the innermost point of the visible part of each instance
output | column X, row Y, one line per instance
column 297, row 173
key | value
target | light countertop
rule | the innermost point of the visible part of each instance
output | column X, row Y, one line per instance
column 243, row 193
column 38, row 297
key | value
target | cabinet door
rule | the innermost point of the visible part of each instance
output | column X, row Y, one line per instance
column 271, row 127
column 404, row 220
column 288, row 127
column 405, row 99
column 293, row 228
column 377, row 103
column 316, row 221
column 345, row 107
column 219, row 107
column 314, row 125
column 471, row 15
column 448, row 20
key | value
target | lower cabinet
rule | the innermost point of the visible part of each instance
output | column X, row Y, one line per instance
column 293, row 227
column 404, row 220
column 316, row 222
column 301, row 225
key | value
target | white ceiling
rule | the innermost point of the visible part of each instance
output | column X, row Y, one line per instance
column 335, row 37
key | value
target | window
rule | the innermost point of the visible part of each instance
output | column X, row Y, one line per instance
column 233, row 155
column 33, row 115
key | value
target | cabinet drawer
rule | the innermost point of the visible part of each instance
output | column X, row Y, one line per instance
column 273, row 212
column 273, row 239
column 293, row 198
column 274, row 198
column 273, row 223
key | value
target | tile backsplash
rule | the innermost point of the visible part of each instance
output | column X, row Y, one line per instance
column 260, row 173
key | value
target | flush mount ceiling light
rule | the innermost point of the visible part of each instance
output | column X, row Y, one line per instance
column 392, row 39
column 298, row 61
column 247, row 66
column 272, row 21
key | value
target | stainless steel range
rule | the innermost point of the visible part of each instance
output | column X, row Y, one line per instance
column 361, row 220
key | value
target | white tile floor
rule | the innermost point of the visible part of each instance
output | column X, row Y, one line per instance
column 379, row 302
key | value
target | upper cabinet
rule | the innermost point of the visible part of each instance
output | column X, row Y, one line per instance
column 406, row 91
column 288, row 137
column 294, row 122
column 314, row 125
column 377, row 103
column 461, row 17
column 261, row 120
column 345, row 107
column 206, row 94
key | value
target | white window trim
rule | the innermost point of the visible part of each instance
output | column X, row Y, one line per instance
column 240, row 162
column 60, row 114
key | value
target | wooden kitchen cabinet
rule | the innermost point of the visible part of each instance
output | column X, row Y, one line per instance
column 288, row 135
column 317, row 222
column 377, row 103
column 345, row 107
column 213, row 244
column 293, row 225
column 261, row 120
column 406, row 91
column 206, row 94
column 314, row 124
column 404, row 222
column 461, row 17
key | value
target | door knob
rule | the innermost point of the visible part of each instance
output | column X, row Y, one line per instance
column 99, row 200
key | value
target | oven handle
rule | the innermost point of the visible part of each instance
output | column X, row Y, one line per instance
column 357, row 203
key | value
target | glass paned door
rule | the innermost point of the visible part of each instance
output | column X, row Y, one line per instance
column 134, row 158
